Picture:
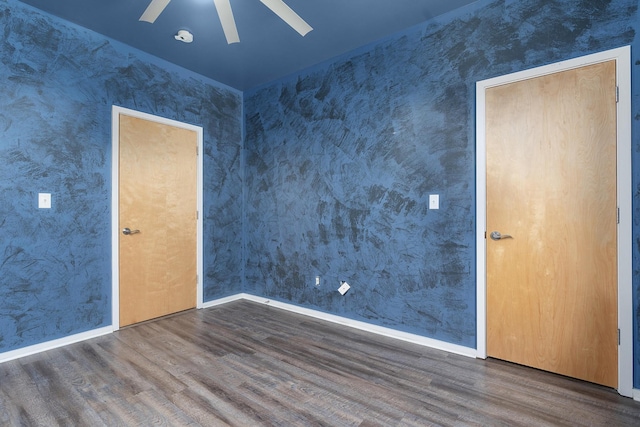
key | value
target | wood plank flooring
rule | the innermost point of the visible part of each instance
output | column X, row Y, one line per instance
column 247, row 364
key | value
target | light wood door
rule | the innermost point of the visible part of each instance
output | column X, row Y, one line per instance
column 158, row 198
column 551, row 185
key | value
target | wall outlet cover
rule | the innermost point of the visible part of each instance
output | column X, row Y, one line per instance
column 344, row 288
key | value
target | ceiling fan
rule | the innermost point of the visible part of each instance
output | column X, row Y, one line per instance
column 225, row 14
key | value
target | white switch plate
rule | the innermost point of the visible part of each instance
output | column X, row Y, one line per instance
column 434, row 201
column 44, row 200
column 317, row 280
column 344, row 288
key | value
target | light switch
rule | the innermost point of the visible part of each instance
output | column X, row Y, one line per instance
column 434, row 201
column 44, row 200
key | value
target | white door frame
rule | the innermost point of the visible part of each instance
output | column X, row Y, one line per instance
column 115, row 190
column 622, row 56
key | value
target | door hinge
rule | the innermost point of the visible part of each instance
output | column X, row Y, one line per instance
column 618, row 336
column 197, row 215
column 197, row 151
column 618, row 216
column 617, row 94
column 485, row 234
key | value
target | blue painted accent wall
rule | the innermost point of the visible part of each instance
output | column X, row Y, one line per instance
column 341, row 159
column 59, row 82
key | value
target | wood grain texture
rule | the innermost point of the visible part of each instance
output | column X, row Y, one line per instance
column 246, row 364
column 158, row 196
column 551, row 183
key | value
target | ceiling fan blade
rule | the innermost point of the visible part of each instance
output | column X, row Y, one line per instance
column 288, row 15
column 226, row 19
column 154, row 10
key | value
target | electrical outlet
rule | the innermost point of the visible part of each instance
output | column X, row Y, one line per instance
column 344, row 288
column 317, row 280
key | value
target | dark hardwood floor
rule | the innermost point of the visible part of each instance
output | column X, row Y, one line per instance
column 246, row 364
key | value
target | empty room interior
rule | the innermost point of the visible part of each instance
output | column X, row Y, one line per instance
column 304, row 212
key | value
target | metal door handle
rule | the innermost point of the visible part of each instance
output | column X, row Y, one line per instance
column 496, row 235
column 126, row 231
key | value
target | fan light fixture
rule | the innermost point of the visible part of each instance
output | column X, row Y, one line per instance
column 227, row 20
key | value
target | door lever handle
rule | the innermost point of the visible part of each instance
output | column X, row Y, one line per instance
column 127, row 231
column 496, row 235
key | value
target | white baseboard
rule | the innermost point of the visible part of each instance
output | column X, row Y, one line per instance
column 380, row 330
column 223, row 300
column 49, row 345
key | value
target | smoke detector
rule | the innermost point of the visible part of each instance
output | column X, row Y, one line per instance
column 184, row 36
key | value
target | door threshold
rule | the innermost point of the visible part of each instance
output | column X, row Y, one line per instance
column 166, row 316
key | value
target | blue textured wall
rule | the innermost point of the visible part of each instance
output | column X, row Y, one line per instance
column 59, row 82
column 341, row 159
column 339, row 164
